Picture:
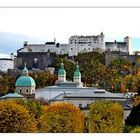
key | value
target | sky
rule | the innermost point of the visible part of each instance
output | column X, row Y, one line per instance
column 61, row 22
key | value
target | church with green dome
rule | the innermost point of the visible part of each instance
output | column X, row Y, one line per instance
column 62, row 77
column 25, row 84
column 77, row 75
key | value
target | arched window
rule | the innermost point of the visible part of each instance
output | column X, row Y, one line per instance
column 27, row 90
column 20, row 90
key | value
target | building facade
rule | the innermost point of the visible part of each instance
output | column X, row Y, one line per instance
column 6, row 63
column 40, row 56
column 82, row 44
column 52, row 47
column 124, row 47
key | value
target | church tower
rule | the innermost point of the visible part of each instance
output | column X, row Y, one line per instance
column 77, row 74
column 62, row 73
column 25, row 84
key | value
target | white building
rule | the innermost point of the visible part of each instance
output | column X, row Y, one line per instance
column 84, row 98
column 62, row 48
column 82, row 44
column 51, row 46
column 116, row 46
column 6, row 63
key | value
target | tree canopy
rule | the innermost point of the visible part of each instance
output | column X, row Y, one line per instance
column 105, row 117
column 15, row 118
column 62, row 118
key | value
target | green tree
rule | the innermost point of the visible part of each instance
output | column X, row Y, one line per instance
column 105, row 117
column 42, row 79
column 15, row 118
column 135, row 130
column 62, row 118
column 33, row 106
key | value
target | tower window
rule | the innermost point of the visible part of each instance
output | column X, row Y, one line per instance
column 27, row 90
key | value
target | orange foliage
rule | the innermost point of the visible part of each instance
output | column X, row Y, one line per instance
column 62, row 118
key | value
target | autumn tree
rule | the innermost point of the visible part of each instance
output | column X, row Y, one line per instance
column 7, row 84
column 15, row 118
column 62, row 118
column 105, row 117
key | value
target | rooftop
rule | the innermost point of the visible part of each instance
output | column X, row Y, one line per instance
column 118, row 43
column 94, row 93
column 12, row 95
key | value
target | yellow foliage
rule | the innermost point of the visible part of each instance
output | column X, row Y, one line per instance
column 15, row 118
column 105, row 117
column 62, row 118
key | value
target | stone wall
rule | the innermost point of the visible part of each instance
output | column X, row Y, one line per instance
column 134, row 59
column 35, row 60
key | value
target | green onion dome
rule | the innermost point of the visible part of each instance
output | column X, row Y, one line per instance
column 25, row 79
column 77, row 73
column 61, row 71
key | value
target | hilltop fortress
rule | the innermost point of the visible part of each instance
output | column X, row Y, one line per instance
column 42, row 56
column 79, row 44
